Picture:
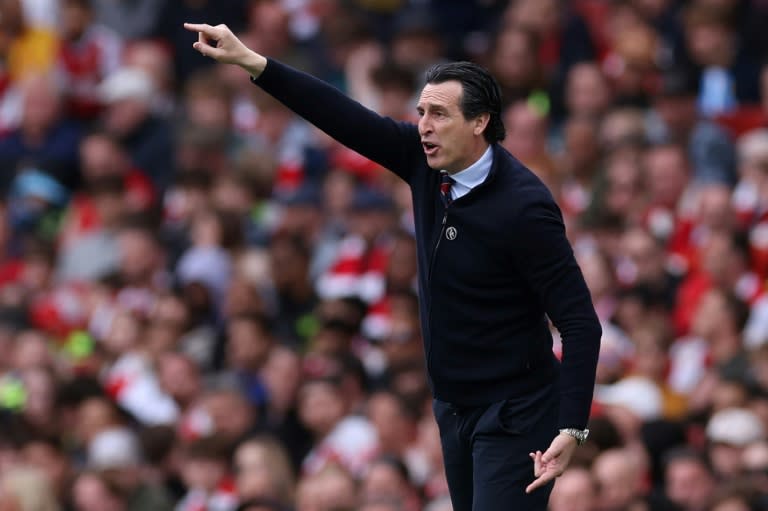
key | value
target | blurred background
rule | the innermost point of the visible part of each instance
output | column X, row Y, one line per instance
column 207, row 305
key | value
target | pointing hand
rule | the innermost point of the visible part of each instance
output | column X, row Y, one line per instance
column 222, row 45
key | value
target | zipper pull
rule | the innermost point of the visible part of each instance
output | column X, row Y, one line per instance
column 445, row 217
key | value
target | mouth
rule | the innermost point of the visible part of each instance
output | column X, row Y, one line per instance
column 430, row 149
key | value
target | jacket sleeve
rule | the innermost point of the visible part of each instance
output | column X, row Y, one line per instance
column 381, row 139
column 546, row 259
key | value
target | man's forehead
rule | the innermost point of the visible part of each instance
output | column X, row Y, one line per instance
column 443, row 93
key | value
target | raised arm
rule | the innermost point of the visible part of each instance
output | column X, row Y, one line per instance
column 391, row 144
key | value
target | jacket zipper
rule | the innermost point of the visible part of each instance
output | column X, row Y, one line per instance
column 429, row 284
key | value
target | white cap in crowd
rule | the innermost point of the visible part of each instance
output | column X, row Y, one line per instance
column 114, row 448
column 735, row 426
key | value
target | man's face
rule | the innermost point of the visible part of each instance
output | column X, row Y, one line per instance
column 90, row 494
column 709, row 44
column 667, row 173
column 688, row 484
column 678, row 113
column 644, row 255
column 74, row 19
column 321, row 406
column 123, row 117
column 232, row 415
column 138, row 255
column 99, row 157
column 403, row 343
column 179, row 377
column 514, row 60
column 248, row 347
column 449, row 140
column 46, row 458
column 41, row 105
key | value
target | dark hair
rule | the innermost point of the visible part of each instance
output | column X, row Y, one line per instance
column 738, row 309
column 35, row 437
column 74, row 392
column 210, row 448
column 685, row 453
column 262, row 504
column 293, row 242
column 480, row 93
column 407, row 408
column 395, row 463
column 157, row 442
column 106, row 185
column 260, row 321
column 393, row 76
column 145, row 224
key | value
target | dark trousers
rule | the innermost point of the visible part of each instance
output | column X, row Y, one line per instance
column 486, row 451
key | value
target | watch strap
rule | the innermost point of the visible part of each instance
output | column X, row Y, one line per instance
column 579, row 434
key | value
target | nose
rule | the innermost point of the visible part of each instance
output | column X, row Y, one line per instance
column 425, row 128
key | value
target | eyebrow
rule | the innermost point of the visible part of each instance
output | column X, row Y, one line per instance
column 430, row 106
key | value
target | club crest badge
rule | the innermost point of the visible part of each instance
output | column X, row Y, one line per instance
column 451, row 233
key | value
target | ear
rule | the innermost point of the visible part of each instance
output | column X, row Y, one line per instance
column 480, row 122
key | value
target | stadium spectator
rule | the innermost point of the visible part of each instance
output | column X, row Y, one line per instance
column 184, row 260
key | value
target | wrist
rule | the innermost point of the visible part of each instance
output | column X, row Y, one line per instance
column 254, row 63
column 579, row 435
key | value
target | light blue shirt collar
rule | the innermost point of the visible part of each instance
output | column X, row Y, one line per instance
column 473, row 175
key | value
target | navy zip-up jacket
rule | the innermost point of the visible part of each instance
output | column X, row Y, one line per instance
column 492, row 265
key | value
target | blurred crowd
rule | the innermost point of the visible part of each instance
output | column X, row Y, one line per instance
column 206, row 304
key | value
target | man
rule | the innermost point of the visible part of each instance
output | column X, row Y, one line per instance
column 493, row 260
column 689, row 480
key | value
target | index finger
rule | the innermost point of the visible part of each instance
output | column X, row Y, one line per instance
column 202, row 28
column 540, row 481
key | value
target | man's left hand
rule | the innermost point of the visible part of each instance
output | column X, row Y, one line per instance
column 553, row 462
